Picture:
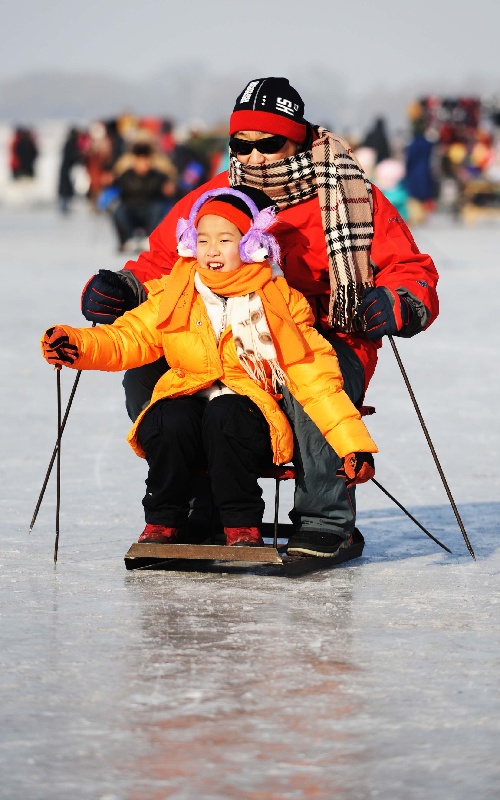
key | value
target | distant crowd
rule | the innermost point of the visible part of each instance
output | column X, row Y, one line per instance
column 450, row 160
column 137, row 168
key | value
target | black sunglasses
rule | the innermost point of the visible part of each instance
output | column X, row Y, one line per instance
column 267, row 146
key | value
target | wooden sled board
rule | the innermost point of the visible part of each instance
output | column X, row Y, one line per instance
column 217, row 558
column 202, row 552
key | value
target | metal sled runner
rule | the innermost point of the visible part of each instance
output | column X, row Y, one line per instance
column 220, row 558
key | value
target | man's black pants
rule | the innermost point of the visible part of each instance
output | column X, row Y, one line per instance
column 229, row 434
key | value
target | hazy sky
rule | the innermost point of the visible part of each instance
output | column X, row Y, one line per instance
column 370, row 41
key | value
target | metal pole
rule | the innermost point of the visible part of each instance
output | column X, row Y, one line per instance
column 54, row 453
column 58, row 467
column 431, row 446
column 276, row 509
column 411, row 516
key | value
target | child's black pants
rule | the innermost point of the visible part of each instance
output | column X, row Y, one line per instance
column 229, row 434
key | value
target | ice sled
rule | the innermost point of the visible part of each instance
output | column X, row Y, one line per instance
column 272, row 558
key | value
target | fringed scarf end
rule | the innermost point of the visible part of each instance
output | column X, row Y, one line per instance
column 255, row 368
column 342, row 314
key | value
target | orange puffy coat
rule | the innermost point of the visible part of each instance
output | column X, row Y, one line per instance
column 196, row 361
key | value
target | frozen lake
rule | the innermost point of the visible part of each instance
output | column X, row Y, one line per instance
column 379, row 679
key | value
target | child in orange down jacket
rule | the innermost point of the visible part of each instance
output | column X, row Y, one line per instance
column 232, row 331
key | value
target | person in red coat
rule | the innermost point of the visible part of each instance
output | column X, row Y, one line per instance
column 343, row 245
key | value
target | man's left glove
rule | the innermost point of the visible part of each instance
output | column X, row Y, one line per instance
column 57, row 348
column 384, row 312
column 357, row 468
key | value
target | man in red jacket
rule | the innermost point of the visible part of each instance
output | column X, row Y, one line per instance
column 342, row 244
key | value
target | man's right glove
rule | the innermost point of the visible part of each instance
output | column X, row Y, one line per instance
column 107, row 296
column 357, row 468
column 384, row 312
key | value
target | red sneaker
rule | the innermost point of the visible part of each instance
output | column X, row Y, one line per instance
column 244, row 537
column 159, row 534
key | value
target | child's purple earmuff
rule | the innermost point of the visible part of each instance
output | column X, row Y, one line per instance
column 256, row 245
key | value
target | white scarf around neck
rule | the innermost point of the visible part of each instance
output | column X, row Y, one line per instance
column 252, row 338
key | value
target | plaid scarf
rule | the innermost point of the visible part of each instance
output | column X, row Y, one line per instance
column 329, row 171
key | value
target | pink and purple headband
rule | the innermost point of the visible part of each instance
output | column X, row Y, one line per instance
column 255, row 245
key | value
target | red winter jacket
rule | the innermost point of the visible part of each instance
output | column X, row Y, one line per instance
column 396, row 259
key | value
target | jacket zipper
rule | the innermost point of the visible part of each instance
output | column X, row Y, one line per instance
column 223, row 322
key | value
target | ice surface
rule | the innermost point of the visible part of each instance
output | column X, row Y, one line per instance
column 379, row 679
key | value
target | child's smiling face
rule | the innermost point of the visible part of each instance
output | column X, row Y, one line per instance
column 217, row 244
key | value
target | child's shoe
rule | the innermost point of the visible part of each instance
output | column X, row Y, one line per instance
column 159, row 534
column 244, row 537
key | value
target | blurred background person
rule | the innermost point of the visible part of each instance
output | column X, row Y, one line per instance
column 378, row 140
column 140, row 194
column 191, row 160
column 366, row 158
column 166, row 137
column 98, row 160
column 71, row 155
column 420, row 181
column 388, row 176
column 23, row 153
column 116, row 139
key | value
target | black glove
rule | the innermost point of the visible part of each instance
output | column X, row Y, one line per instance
column 57, row 348
column 107, row 296
column 384, row 312
column 357, row 468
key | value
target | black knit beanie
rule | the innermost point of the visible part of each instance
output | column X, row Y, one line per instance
column 270, row 105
